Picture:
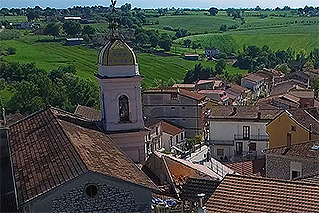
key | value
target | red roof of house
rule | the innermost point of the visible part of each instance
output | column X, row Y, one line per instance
column 171, row 128
column 88, row 113
column 256, row 194
column 51, row 147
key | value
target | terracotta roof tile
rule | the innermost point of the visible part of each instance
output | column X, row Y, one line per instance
column 256, row 194
column 180, row 91
column 305, row 117
column 88, row 113
column 52, row 147
column 242, row 112
column 195, row 186
column 301, row 150
column 253, row 77
column 171, row 128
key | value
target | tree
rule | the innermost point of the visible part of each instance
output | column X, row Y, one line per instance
column 88, row 30
column 224, row 28
column 52, row 29
column 165, row 42
column 220, row 66
column 72, row 28
column 213, row 11
column 187, row 43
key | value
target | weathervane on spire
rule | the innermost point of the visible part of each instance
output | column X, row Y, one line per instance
column 114, row 24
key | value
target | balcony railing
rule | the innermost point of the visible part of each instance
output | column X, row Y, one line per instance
column 252, row 137
column 221, row 142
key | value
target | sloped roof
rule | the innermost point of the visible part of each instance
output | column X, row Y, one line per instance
column 235, row 88
column 195, row 186
column 252, row 167
column 305, row 118
column 299, row 150
column 285, row 86
column 88, row 113
column 184, row 92
column 253, row 77
column 312, row 178
column 255, row 194
column 51, row 147
column 171, row 128
column 242, row 112
column 10, row 119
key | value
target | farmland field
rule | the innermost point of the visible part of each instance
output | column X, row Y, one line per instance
column 50, row 55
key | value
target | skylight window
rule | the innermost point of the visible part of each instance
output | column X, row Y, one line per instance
column 315, row 147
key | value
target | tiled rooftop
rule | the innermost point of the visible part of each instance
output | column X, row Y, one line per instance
column 88, row 113
column 52, row 147
column 242, row 112
column 253, row 77
column 195, row 186
column 305, row 117
column 285, row 86
column 300, row 150
column 252, row 167
column 255, row 194
column 180, row 91
column 310, row 178
column 171, row 128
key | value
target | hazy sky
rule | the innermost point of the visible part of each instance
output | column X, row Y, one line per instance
column 162, row 3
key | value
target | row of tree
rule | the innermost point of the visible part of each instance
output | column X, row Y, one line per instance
column 35, row 88
column 254, row 58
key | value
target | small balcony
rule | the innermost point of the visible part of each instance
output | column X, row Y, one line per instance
column 252, row 137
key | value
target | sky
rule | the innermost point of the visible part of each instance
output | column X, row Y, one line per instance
column 162, row 3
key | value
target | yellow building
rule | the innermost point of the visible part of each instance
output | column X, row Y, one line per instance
column 293, row 126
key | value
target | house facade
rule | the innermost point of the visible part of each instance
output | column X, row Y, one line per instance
column 166, row 136
column 293, row 126
column 178, row 106
column 238, row 131
column 256, row 83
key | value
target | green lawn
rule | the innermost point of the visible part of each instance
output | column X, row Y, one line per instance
column 14, row 18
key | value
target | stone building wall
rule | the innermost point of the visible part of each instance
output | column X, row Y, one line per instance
column 279, row 167
column 108, row 199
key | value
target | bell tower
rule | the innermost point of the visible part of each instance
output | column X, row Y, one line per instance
column 120, row 95
column 120, row 87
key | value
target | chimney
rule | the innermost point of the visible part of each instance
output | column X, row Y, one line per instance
column 310, row 130
column 258, row 115
column 201, row 207
column 233, row 112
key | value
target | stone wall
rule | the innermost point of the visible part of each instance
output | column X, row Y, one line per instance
column 279, row 167
column 108, row 199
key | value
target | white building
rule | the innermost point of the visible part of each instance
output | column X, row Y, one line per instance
column 238, row 131
column 166, row 136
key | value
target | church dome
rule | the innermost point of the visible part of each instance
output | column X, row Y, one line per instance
column 117, row 53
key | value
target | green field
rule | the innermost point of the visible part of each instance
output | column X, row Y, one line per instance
column 50, row 55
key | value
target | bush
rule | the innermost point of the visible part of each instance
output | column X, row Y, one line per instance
column 9, row 34
column 11, row 51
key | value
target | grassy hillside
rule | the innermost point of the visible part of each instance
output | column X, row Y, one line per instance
column 50, row 55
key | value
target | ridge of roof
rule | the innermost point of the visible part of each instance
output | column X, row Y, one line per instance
column 47, row 151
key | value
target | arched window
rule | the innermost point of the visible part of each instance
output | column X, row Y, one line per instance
column 124, row 108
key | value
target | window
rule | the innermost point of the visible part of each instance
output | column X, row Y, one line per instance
column 182, row 136
column 173, row 96
column 91, row 190
column 295, row 174
column 124, row 108
column 295, row 169
column 252, row 147
column 293, row 128
column 183, row 107
column 156, row 130
column 220, row 152
column 176, row 138
column 246, row 132
column 173, row 108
